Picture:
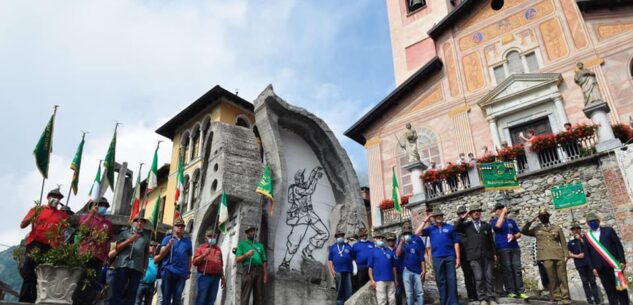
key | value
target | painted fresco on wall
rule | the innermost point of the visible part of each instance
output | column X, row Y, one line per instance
column 305, row 214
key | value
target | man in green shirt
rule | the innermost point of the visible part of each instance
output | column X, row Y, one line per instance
column 251, row 257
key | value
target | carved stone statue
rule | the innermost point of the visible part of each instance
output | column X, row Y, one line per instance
column 588, row 84
column 411, row 144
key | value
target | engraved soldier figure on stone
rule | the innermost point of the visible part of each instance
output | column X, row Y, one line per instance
column 411, row 144
column 586, row 79
column 301, row 217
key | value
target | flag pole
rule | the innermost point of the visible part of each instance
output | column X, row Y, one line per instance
column 70, row 188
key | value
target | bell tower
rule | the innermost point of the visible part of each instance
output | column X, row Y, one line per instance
column 409, row 21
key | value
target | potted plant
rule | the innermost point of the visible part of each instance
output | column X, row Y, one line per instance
column 60, row 269
column 386, row 204
column 510, row 153
column 622, row 132
column 488, row 158
column 542, row 142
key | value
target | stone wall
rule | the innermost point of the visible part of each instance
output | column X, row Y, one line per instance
column 606, row 196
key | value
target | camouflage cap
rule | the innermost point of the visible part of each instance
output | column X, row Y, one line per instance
column 379, row 234
column 339, row 233
column 362, row 232
column 390, row 236
column 179, row 222
column 474, row 207
column 437, row 212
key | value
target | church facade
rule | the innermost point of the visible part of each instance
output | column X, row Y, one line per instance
column 471, row 74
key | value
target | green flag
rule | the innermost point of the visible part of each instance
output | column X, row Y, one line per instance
column 395, row 192
column 265, row 187
column 154, row 218
column 223, row 213
column 179, row 197
column 109, row 161
column 76, row 165
column 44, row 147
column 95, row 189
column 152, row 176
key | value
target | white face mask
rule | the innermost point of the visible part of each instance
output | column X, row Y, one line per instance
column 53, row 202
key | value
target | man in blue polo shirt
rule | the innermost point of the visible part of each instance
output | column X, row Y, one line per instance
column 411, row 249
column 445, row 253
column 383, row 272
column 576, row 250
column 391, row 244
column 361, row 249
column 506, row 234
column 176, row 251
column 340, row 262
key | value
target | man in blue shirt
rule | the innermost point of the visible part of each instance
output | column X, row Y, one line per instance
column 391, row 244
column 340, row 262
column 383, row 272
column 576, row 250
column 361, row 249
column 445, row 253
column 506, row 234
column 146, row 287
column 411, row 251
column 176, row 250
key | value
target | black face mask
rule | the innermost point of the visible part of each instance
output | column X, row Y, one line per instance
column 544, row 219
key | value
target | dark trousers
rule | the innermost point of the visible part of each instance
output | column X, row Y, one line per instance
column 87, row 296
column 543, row 274
column 343, row 287
column 589, row 285
column 607, row 277
column 400, row 289
column 252, row 283
column 28, row 291
column 125, row 286
column 469, row 280
column 145, row 294
column 207, row 288
column 446, row 279
column 360, row 279
column 482, row 271
column 512, row 275
column 172, row 286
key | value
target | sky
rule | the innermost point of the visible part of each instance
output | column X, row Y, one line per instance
column 141, row 62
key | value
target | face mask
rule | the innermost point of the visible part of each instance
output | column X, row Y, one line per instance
column 380, row 243
column 53, row 202
column 102, row 210
column 544, row 219
column 594, row 224
column 211, row 241
column 407, row 238
column 363, row 239
column 340, row 240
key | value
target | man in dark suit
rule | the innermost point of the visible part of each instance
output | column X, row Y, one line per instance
column 469, row 279
column 601, row 268
column 480, row 247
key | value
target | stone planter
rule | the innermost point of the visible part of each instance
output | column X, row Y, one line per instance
column 56, row 284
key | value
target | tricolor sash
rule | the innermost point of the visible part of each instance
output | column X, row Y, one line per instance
column 620, row 280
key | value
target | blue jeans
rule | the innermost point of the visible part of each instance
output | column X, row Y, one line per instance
column 172, row 286
column 125, row 286
column 343, row 287
column 446, row 279
column 144, row 294
column 207, row 289
column 413, row 287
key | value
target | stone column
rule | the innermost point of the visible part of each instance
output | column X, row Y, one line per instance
column 416, row 169
column 496, row 141
column 597, row 112
column 560, row 109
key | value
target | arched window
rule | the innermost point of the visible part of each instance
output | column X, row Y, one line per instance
column 185, row 194
column 195, row 142
column 206, row 123
column 242, row 120
column 195, row 189
column 184, row 143
column 515, row 63
column 429, row 150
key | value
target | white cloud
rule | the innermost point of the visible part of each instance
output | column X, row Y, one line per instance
column 141, row 62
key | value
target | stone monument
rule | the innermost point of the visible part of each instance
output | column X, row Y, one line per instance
column 414, row 165
column 596, row 108
column 316, row 193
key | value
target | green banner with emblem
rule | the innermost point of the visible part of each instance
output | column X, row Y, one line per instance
column 568, row 195
column 499, row 176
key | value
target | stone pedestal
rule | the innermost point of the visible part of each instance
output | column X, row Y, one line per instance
column 416, row 169
column 597, row 112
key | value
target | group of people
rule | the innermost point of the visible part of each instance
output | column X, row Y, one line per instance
column 135, row 268
column 396, row 266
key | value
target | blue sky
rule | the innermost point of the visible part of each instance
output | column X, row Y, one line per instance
column 141, row 62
